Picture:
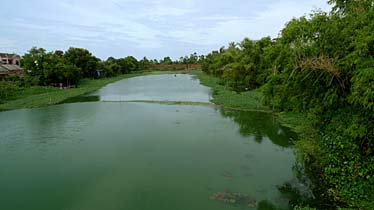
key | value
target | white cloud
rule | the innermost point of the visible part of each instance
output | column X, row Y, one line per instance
column 159, row 12
column 225, row 29
column 7, row 44
column 152, row 27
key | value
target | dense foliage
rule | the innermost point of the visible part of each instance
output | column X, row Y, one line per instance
column 53, row 68
column 321, row 64
column 68, row 68
column 192, row 59
column 7, row 89
column 125, row 65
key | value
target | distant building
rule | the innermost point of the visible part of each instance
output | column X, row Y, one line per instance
column 10, row 65
column 99, row 73
column 11, row 59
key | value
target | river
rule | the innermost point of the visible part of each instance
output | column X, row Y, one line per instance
column 118, row 153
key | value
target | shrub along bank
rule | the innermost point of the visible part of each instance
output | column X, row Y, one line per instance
column 321, row 65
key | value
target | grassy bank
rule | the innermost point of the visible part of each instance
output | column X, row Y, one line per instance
column 223, row 96
column 252, row 101
column 308, row 147
column 38, row 96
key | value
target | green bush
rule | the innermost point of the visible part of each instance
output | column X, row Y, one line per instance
column 321, row 65
column 7, row 89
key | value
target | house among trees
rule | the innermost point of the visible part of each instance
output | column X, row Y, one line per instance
column 100, row 73
column 10, row 59
column 10, row 65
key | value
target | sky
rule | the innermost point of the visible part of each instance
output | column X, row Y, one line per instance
column 151, row 28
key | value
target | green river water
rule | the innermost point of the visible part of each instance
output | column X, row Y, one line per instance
column 116, row 155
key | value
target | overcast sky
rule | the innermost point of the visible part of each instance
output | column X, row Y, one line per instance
column 152, row 28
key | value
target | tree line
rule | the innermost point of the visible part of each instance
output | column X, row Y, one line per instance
column 59, row 68
column 323, row 65
column 68, row 68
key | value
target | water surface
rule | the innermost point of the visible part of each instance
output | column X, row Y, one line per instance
column 164, row 87
column 119, row 156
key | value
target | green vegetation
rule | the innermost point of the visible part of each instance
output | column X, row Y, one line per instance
column 54, row 68
column 47, row 74
column 7, row 90
column 126, row 65
column 16, row 96
column 321, row 68
column 38, row 96
column 226, row 97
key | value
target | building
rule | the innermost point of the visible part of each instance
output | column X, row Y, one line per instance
column 10, row 70
column 10, row 65
column 11, row 59
column 100, row 73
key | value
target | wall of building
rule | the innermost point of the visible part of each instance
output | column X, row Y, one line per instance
column 11, row 59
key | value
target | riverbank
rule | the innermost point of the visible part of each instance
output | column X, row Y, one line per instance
column 307, row 148
column 40, row 96
column 229, row 99
column 250, row 101
column 37, row 96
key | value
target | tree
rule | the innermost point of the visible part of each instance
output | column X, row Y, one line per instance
column 166, row 60
column 51, row 68
column 57, row 70
column 322, row 65
column 127, row 64
column 32, row 62
column 84, row 60
column 144, row 63
column 131, row 63
column 72, row 74
column 114, row 69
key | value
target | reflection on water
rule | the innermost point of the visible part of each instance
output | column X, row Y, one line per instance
column 135, row 156
column 261, row 125
column 82, row 98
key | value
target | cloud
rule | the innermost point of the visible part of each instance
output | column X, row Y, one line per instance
column 8, row 44
column 160, row 12
column 140, row 27
column 224, row 29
